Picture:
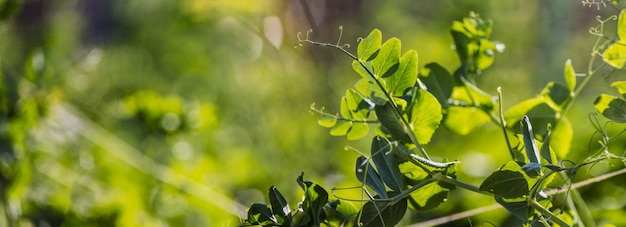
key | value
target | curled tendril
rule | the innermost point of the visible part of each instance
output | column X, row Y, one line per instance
column 307, row 40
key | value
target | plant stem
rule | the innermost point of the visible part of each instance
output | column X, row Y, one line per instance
column 503, row 125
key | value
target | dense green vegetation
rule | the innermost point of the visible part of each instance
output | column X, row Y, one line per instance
column 168, row 113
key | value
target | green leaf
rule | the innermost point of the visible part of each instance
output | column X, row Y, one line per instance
column 621, row 87
column 391, row 212
column 366, row 173
column 261, row 214
column 519, row 209
column 369, row 88
column 546, row 153
column 425, row 116
column 561, row 138
column 315, row 198
column 386, row 164
column 391, row 124
column 532, row 151
column 438, row 81
column 327, row 121
column 472, row 95
column 615, row 54
column 388, row 59
column 429, row 196
column 509, row 181
column 369, row 46
column 363, row 72
column 341, row 128
column 340, row 213
column 540, row 113
column 463, row 120
column 406, row 75
column 611, row 107
column 556, row 95
column 621, row 25
column 570, row 75
column 485, row 54
column 280, row 206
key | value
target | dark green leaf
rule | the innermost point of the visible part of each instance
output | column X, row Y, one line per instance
column 509, row 181
column 556, row 95
column 545, row 151
column 532, row 151
column 387, row 117
column 611, row 107
column 369, row 46
column 261, row 214
column 388, row 59
column 382, row 213
column 386, row 164
column 366, row 173
column 438, row 81
column 519, row 209
column 280, row 206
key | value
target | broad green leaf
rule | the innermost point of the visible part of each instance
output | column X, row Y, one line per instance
column 412, row 172
column 519, row 208
column 463, row 120
column 556, row 95
column 406, row 75
column 366, row 173
column 561, row 138
column 357, row 131
column 280, row 206
column 470, row 94
column 570, row 75
column 261, row 214
column 388, row 59
column 621, row 25
column 386, row 164
column 438, row 81
column 340, row 213
column 615, row 54
column 315, row 198
column 425, row 116
column 429, row 196
column 547, row 154
column 611, row 107
column 369, row 46
column 363, row 71
column 391, row 212
column 509, row 181
column 358, row 108
column 369, row 88
column 391, row 124
column 539, row 112
column 621, row 87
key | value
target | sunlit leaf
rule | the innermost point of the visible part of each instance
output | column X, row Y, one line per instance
column 621, row 87
column 341, row 128
column 485, row 54
column 570, row 75
column 357, row 131
column 463, row 120
column 386, row 164
column 429, row 196
column 615, row 54
column 391, row 212
column 363, row 71
column 406, row 75
column 438, row 81
column 366, row 173
column 340, row 212
column 369, row 88
column 561, row 137
column 388, row 59
column 425, row 116
column 369, row 46
column 327, row 121
column 540, row 113
column 611, row 107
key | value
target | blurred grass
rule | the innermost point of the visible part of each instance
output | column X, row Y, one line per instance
column 190, row 109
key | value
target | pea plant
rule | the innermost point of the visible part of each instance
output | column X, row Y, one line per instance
column 405, row 105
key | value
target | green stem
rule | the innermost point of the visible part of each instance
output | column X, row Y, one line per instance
column 460, row 184
column 503, row 125
column 556, row 219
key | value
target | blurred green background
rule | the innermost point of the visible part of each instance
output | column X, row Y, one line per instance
column 183, row 113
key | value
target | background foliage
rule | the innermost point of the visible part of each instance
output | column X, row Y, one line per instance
column 183, row 113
